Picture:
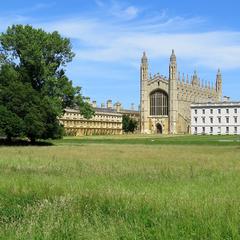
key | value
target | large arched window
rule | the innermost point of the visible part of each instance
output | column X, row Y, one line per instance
column 158, row 103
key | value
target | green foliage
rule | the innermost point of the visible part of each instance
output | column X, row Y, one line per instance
column 129, row 124
column 10, row 124
column 33, row 84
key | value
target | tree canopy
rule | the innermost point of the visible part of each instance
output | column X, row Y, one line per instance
column 34, row 88
column 129, row 124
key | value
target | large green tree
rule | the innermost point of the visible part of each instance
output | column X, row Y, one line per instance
column 34, row 89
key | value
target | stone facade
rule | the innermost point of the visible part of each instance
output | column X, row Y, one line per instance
column 165, row 102
column 215, row 118
column 106, row 121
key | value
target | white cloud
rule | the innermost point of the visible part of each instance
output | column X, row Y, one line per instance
column 109, row 41
column 118, row 9
column 113, row 39
column 128, row 13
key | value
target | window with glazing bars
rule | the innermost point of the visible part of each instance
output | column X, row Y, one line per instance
column 158, row 103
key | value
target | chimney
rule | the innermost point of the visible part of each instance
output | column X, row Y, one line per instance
column 94, row 104
column 226, row 99
column 118, row 106
column 109, row 104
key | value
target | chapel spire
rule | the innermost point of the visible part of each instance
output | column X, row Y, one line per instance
column 173, row 57
column 144, row 58
column 219, row 84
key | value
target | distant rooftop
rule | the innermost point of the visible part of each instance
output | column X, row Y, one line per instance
column 216, row 104
column 105, row 110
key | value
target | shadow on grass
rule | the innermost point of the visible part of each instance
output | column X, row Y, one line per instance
column 23, row 142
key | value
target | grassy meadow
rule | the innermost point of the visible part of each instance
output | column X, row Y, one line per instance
column 127, row 187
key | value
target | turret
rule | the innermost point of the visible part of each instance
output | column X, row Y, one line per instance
column 183, row 78
column 187, row 81
column 143, row 93
column 219, row 85
column 195, row 79
column 173, row 104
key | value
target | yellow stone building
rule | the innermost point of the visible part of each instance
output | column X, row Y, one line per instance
column 106, row 121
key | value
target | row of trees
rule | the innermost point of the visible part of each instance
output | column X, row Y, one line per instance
column 34, row 89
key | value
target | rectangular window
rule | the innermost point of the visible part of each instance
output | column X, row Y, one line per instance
column 235, row 129
column 235, row 119
column 227, row 110
column 227, row 119
column 203, row 111
column 203, row 130
column 195, row 119
column 211, row 129
column 227, row 129
column 211, row 111
column 195, row 130
column 235, row 110
column 219, row 119
column 203, row 119
column 195, row 111
column 211, row 120
column 219, row 111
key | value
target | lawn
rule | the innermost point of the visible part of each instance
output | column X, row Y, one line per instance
column 128, row 187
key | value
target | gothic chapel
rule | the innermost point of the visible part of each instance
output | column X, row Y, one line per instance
column 165, row 102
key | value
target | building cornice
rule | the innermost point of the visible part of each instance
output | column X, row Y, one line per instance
column 217, row 104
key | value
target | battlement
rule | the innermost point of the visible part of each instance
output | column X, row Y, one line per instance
column 189, row 82
column 194, row 82
column 157, row 76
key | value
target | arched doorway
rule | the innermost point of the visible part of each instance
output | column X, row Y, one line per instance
column 159, row 128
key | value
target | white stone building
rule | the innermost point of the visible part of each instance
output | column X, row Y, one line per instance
column 215, row 118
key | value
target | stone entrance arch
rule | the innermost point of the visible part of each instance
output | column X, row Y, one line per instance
column 159, row 128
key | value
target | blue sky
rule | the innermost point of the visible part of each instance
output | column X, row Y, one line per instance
column 109, row 36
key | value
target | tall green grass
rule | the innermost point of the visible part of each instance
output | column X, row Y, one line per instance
column 120, row 191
